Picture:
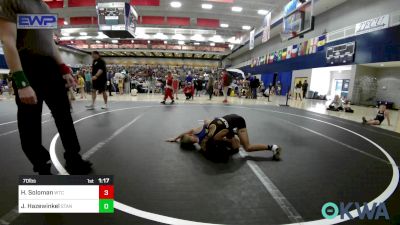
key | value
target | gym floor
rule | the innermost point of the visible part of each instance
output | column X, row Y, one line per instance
column 325, row 159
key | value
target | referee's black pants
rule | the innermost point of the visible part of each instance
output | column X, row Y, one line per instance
column 45, row 79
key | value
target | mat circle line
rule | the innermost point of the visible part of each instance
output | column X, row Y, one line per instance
column 175, row 221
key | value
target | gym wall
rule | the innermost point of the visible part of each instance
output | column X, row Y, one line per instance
column 71, row 58
column 339, row 17
column 365, row 86
column 388, row 85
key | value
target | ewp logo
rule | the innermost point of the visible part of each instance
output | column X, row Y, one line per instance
column 330, row 210
column 37, row 21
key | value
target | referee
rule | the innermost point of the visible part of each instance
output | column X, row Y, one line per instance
column 39, row 75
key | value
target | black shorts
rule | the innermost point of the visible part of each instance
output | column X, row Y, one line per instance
column 235, row 121
column 231, row 122
column 99, row 85
column 380, row 119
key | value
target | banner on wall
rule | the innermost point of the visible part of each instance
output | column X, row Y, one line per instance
column 308, row 47
column 284, row 54
column 295, row 49
column 266, row 28
column 289, row 52
column 252, row 37
column 321, row 43
column 374, row 24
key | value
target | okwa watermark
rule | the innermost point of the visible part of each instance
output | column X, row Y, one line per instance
column 376, row 211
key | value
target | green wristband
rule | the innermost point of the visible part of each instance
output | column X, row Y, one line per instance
column 20, row 79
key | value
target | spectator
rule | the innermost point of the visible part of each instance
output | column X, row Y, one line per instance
column 189, row 91
column 81, row 85
column 120, row 81
column 226, row 82
column 189, row 78
column 254, row 85
column 88, row 80
column 110, row 83
column 278, row 88
column 336, row 104
column 198, row 86
column 267, row 93
column 151, row 84
column 298, row 90
column 175, row 86
column 305, row 88
column 210, row 86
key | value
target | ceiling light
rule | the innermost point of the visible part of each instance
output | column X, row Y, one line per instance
column 197, row 37
column 176, row 4
column 65, row 22
column 65, row 34
column 83, row 37
column 196, row 43
column 83, row 33
column 231, row 46
column 132, row 41
column 224, row 25
column 142, row 36
column 246, row 27
column 262, row 12
column 148, row 42
column 181, row 42
column 234, row 40
column 115, row 41
column 66, row 38
column 382, row 65
column 165, row 42
column 160, row 36
column 217, row 38
column 178, row 37
column 212, row 44
column 98, row 42
column 72, row 42
column 206, row 6
column 237, row 9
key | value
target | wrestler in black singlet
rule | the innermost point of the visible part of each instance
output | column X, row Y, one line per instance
column 220, row 150
column 231, row 122
column 380, row 117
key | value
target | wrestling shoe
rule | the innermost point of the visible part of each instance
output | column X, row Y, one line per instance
column 364, row 121
column 172, row 102
column 44, row 170
column 276, row 150
column 89, row 107
column 78, row 167
column 225, row 101
column 105, row 107
column 163, row 102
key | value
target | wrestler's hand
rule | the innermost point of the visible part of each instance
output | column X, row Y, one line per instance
column 69, row 80
column 94, row 78
column 171, row 140
column 27, row 96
